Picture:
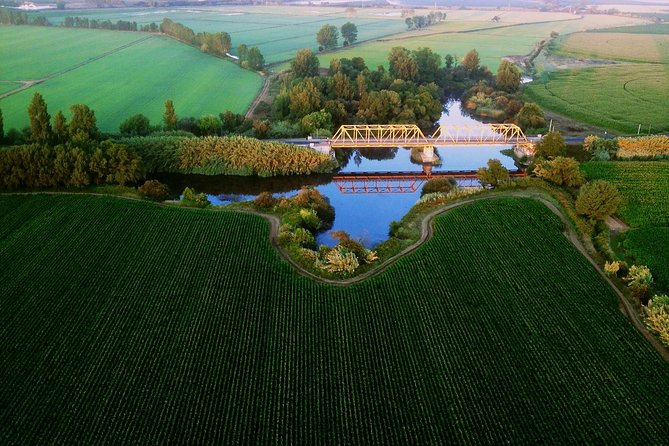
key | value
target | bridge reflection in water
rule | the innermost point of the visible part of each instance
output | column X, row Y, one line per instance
column 401, row 182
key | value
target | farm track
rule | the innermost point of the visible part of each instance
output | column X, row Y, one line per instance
column 427, row 231
column 262, row 94
column 30, row 83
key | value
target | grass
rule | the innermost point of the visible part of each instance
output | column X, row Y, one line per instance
column 8, row 86
column 137, row 79
column 643, row 185
column 651, row 48
column 651, row 28
column 495, row 331
column 617, row 98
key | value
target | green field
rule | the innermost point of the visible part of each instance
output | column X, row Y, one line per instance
column 278, row 32
column 513, row 35
column 618, row 97
column 118, row 84
column 630, row 47
column 127, row 322
column 644, row 186
column 8, row 86
column 650, row 246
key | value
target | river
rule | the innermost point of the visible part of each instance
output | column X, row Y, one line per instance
column 365, row 216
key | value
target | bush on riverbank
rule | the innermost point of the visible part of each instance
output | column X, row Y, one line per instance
column 230, row 155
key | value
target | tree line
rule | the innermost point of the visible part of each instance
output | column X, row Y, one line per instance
column 328, row 36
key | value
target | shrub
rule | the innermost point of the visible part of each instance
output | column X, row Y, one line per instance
column 639, row 276
column 309, row 197
column 340, row 261
column 155, row 190
column 137, row 125
column 265, row 200
column 530, row 116
column 560, row 171
column 304, row 238
column 201, row 200
column 597, row 200
column 443, row 185
column 494, row 174
column 657, row 317
column 551, row 145
column 643, row 147
column 612, row 268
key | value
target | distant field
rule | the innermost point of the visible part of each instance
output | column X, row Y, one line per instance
column 617, row 97
column 134, row 79
column 196, row 332
column 618, row 46
column 8, row 86
column 651, row 28
column 277, row 31
column 513, row 35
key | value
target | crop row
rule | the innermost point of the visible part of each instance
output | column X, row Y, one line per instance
column 128, row 322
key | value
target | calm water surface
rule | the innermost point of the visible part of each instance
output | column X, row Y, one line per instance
column 366, row 217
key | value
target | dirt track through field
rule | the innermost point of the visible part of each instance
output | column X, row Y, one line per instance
column 29, row 83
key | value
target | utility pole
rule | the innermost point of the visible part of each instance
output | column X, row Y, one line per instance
column 638, row 132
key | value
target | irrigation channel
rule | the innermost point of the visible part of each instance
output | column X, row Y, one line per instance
column 365, row 215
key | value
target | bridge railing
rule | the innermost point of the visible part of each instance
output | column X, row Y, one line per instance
column 391, row 135
column 479, row 134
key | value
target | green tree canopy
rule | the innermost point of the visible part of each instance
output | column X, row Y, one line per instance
column 560, row 171
column 508, row 76
column 349, row 32
column 305, row 63
column 137, row 125
column 597, row 200
column 255, row 60
column 170, row 116
column 401, row 64
column 328, row 36
column 60, row 127
column 40, row 121
column 494, row 174
column 531, row 116
column 552, row 145
column 428, row 64
column 380, row 107
column 83, row 125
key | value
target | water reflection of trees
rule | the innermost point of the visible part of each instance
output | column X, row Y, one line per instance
column 235, row 185
column 379, row 154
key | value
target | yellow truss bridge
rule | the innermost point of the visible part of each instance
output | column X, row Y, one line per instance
column 409, row 135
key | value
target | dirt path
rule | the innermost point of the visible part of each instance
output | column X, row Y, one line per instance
column 261, row 96
column 29, row 83
column 616, row 225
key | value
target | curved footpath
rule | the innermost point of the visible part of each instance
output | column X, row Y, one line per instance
column 426, row 233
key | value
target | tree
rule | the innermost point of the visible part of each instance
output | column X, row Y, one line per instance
column 170, row 116
column 255, row 60
column 494, row 174
column 401, row 64
column 409, row 22
column 2, row 128
column 316, row 121
column 208, row 125
column 305, row 98
column 60, row 128
column 137, row 125
column 349, row 32
column 305, row 63
column 380, row 107
column 508, row 76
column 560, row 171
column 327, row 36
column 242, row 52
column 341, row 86
column 428, row 63
column 40, row 121
column 552, row 145
column 83, row 127
column 471, row 61
column 530, row 116
column 597, row 200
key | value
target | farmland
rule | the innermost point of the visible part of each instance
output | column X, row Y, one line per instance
column 201, row 89
column 515, row 34
column 644, row 186
column 277, row 31
column 197, row 332
column 616, row 97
